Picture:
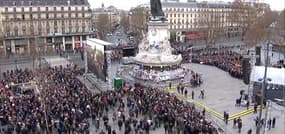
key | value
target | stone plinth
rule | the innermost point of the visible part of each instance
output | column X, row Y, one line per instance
column 155, row 49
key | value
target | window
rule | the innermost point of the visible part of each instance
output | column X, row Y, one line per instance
column 31, row 16
column 48, row 30
column 62, row 8
column 48, row 27
column 31, row 9
column 39, row 8
column 23, row 9
column 69, row 8
column 77, row 29
column 63, row 30
column 8, row 31
column 46, row 8
column 14, row 9
column 54, row 8
column 82, row 8
column 70, row 29
column 83, row 28
column 40, row 29
column 76, row 15
column 69, row 15
column 32, row 30
column 55, row 16
column 47, row 16
column 23, row 17
column 24, row 30
column 16, row 31
column 6, row 9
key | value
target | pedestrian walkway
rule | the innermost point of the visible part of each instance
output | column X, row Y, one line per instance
column 221, row 91
column 210, row 110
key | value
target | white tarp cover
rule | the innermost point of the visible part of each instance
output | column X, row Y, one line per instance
column 277, row 75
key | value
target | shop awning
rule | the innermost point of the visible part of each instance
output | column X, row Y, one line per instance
column 192, row 36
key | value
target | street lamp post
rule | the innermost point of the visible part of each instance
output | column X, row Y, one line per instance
column 85, row 57
column 263, row 89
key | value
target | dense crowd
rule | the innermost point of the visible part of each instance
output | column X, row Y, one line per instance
column 62, row 104
column 18, row 76
column 227, row 60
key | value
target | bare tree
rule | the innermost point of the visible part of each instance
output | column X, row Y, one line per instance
column 138, row 20
column 260, row 30
column 103, row 24
column 280, row 28
column 245, row 16
column 124, row 20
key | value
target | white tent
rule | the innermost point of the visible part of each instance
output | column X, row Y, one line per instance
column 277, row 75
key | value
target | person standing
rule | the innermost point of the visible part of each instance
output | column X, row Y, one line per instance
column 227, row 118
column 273, row 122
column 182, row 89
column 225, row 113
column 185, row 93
column 269, row 123
column 178, row 89
column 235, row 122
column 201, row 93
column 249, row 131
column 192, row 94
column 255, row 108
column 239, row 125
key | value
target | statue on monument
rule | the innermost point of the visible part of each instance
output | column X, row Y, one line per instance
column 156, row 9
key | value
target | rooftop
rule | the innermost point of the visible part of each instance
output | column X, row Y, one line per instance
column 197, row 4
column 42, row 2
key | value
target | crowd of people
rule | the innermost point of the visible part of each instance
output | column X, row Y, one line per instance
column 62, row 104
column 227, row 60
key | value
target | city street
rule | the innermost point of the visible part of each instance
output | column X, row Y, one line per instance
column 118, row 36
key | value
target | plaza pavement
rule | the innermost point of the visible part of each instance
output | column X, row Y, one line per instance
column 221, row 91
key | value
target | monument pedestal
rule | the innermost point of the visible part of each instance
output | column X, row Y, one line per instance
column 155, row 60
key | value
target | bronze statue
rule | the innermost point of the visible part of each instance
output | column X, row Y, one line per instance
column 156, row 9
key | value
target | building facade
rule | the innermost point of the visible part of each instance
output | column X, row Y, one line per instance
column 205, row 20
column 105, row 19
column 29, row 26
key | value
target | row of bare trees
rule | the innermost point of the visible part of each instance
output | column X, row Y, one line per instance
column 138, row 18
column 103, row 24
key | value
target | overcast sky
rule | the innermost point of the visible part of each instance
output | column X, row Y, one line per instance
column 127, row 4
